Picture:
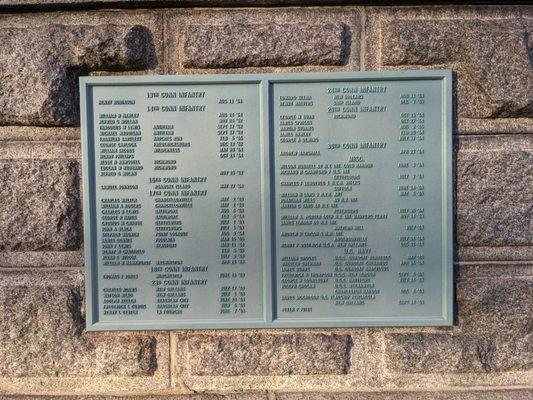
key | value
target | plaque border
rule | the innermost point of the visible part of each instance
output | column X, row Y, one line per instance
column 264, row 81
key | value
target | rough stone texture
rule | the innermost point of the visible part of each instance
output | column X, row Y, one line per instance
column 269, row 354
column 467, row 395
column 423, row 352
column 495, row 329
column 17, row 4
column 42, row 332
column 494, row 191
column 497, row 126
column 473, row 271
column 41, row 259
column 333, row 372
column 496, row 315
column 264, row 40
column 500, row 253
column 37, row 133
column 241, row 45
column 200, row 396
column 40, row 66
column 40, row 205
column 24, row 4
column 492, row 59
column 40, row 150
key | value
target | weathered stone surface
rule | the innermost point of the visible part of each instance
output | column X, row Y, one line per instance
column 256, row 45
column 496, row 126
column 507, row 394
column 435, row 353
column 199, row 396
column 492, row 59
column 496, row 331
column 489, row 253
column 41, row 150
column 494, row 193
column 306, row 360
column 40, row 205
column 21, row 133
column 41, row 259
column 40, row 66
column 496, row 315
column 17, row 4
column 42, row 332
column 269, row 354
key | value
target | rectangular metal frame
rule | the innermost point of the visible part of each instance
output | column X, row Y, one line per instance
column 265, row 81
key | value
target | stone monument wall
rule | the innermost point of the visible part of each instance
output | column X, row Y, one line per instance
column 45, row 352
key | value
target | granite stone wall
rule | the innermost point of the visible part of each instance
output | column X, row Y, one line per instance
column 45, row 352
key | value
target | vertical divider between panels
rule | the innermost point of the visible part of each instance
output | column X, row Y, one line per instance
column 89, row 211
column 267, row 204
